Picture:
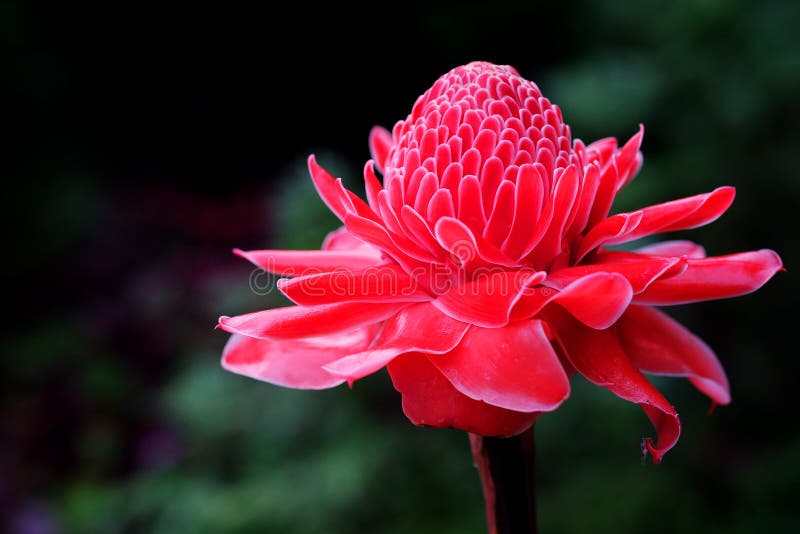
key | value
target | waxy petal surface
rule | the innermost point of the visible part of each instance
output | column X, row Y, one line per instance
column 658, row 344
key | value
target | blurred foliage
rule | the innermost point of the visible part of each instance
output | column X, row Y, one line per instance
column 115, row 414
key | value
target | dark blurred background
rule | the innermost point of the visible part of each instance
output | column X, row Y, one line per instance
column 144, row 142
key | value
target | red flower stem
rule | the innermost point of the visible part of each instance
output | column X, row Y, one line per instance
column 506, row 468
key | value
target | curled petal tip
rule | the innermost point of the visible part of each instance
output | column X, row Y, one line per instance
column 649, row 447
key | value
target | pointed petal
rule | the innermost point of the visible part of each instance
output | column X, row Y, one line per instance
column 429, row 399
column 658, row 344
column 419, row 230
column 563, row 200
column 471, row 250
column 608, row 230
column 488, row 298
column 713, row 278
column 380, row 141
column 409, row 256
column 340, row 200
column 677, row 247
column 372, row 185
column 293, row 363
column 300, row 262
column 639, row 270
column 682, row 214
column 513, row 367
column 597, row 299
column 417, row 328
column 629, row 159
column 330, row 193
column 597, row 355
column 301, row 321
column 384, row 283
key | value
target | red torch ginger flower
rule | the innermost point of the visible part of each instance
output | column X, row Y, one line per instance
column 478, row 271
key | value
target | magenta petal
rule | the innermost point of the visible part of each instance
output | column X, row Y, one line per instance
column 301, row 321
column 597, row 300
column 470, row 250
column 488, row 298
column 658, row 344
column 681, row 214
column 301, row 262
column 678, row 247
column 377, row 236
column 597, row 355
column 371, row 185
column 513, row 367
column 342, row 239
column 380, row 141
column 429, row 399
column 293, row 363
column 417, row 328
column 384, row 283
column 608, row 230
column 328, row 189
column 639, row 270
column 712, row 278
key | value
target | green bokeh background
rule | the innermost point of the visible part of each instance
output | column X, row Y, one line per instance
column 148, row 141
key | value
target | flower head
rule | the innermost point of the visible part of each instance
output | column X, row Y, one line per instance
column 478, row 271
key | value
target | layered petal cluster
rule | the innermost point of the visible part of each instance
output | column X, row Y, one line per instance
column 478, row 271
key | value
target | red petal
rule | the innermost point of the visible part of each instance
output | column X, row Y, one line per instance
column 470, row 205
column 293, row 363
column 379, row 237
column 502, row 215
column 372, row 185
column 674, row 248
column 629, row 159
column 417, row 328
column 384, row 283
column 429, row 399
column 712, row 278
column 341, row 239
column 340, row 201
column 328, row 189
column 380, row 141
column 513, row 367
column 300, row 262
column 562, row 202
column 301, row 321
column 639, row 270
column 471, row 250
column 530, row 219
column 682, row 214
column 597, row 355
column 607, row 230
column 658, row 344
column 597, row 299
column 419, row 230
column 487, row 299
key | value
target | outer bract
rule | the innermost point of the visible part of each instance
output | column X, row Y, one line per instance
column 478, row 271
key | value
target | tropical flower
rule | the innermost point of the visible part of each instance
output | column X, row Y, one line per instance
column 478, row 271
